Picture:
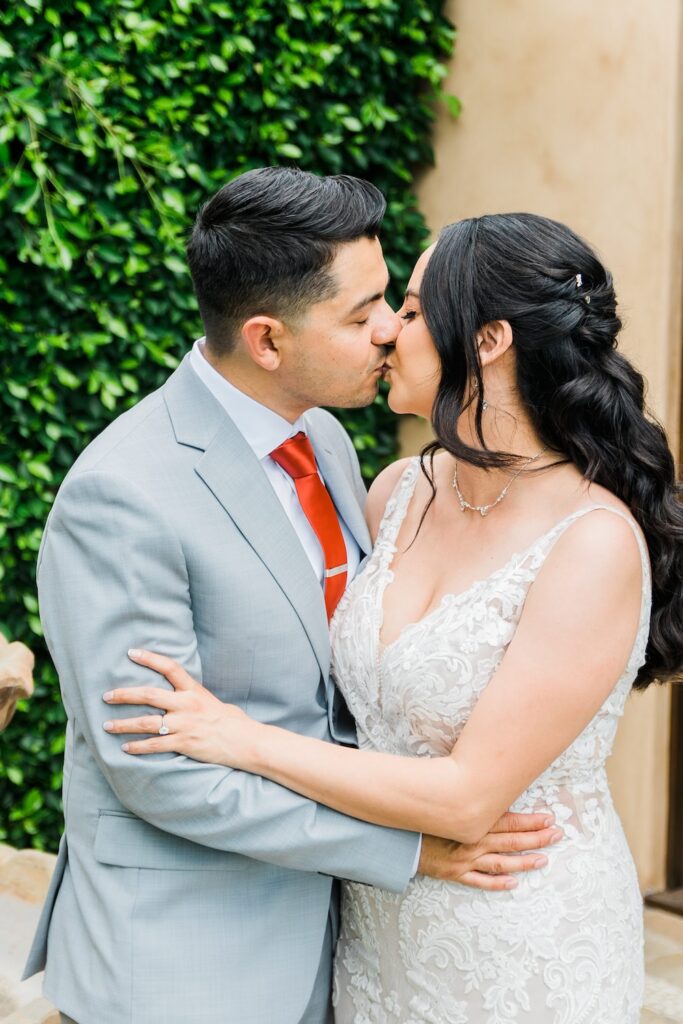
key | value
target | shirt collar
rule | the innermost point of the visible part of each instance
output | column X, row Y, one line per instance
column 261, row 428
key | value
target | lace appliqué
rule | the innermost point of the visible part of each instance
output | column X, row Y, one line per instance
column 565, row 947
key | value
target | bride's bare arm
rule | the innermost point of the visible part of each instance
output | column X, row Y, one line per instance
column 571, row 646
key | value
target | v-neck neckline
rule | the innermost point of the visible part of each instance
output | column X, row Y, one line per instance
column 387, row 576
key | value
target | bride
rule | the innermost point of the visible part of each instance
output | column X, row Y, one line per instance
column 526, row 574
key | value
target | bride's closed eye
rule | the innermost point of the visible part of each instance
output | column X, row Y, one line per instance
column 409, row 315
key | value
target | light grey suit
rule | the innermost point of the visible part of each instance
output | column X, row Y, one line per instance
column 188, row 893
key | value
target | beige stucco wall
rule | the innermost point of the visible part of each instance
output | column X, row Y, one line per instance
column 572, row 111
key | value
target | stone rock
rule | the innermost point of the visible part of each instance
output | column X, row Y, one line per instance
column 6, row 853
column 37, row 1012
column 26, row 874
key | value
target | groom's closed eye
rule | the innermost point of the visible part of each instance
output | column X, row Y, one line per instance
column 368, row 300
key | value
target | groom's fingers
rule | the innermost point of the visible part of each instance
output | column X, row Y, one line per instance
column 519, row 842
column 499, row 864
column 494, row 871
column 492, row 883
column 524, row 822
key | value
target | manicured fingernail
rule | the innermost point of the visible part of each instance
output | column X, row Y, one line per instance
column 124, row 746
column 512, row 884
column 108, row 726
column 134, row 653
column 540, row 862
column 557, row 835
column 108, row 695
column 547, row 822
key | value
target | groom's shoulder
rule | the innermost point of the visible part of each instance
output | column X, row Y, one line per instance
column 326, row 428
column 131, row 432
column 142, row 440
column 324, row 423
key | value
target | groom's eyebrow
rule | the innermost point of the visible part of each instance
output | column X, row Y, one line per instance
column 371, row 298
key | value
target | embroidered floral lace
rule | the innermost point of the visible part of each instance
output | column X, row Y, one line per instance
column 565, row 947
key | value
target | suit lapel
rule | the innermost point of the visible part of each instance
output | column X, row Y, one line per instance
column 235, row 477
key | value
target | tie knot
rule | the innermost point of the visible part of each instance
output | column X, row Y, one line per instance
column 296, row 456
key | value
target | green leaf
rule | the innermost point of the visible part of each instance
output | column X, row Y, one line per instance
column 454, row 106
column 39, row 470
column 352, row 124
column 117, row 327
column 175, row 265
column 289, row 150
column 67, row 378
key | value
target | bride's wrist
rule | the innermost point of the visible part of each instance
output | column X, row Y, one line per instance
column 257, row 747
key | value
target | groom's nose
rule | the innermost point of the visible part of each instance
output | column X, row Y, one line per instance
column 387, row 327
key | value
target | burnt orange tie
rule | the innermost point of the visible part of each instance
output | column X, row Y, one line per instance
column 297, row 458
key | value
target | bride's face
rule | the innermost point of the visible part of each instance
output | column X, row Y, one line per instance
column 413, row 369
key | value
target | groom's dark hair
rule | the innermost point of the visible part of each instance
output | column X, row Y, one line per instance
column 265, row 242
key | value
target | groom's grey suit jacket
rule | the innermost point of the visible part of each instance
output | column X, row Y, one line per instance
column 188, row 893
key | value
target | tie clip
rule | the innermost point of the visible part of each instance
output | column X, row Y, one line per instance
column 338, row 569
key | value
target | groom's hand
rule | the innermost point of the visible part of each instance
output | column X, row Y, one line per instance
column 511, row 846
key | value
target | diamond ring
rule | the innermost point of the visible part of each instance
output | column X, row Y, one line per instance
column 163, row 729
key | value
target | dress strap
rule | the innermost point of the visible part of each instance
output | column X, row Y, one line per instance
column 396, row 507
column 556, row 532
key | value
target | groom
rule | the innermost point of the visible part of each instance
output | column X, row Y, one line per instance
column 188, row 893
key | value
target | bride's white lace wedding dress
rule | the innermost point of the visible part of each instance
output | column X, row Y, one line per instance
column 565, row 947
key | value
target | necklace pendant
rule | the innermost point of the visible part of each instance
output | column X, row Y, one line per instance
column 484, row 510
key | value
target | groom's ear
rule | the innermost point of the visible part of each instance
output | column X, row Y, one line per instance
column 262, row 338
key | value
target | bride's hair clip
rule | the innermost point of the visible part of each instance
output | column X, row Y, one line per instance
column 579, row 282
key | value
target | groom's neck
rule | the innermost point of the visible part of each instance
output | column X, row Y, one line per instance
column 252, row 380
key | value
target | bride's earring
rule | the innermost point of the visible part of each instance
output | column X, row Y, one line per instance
column 475, row 394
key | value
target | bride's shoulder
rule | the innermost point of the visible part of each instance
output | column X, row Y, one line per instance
column 380, row 491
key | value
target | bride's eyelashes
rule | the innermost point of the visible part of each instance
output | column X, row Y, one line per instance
column 409, row 315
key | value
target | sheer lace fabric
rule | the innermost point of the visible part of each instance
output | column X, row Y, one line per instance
column 565, row 947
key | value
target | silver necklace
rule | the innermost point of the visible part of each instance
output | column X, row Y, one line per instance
column 484, row 510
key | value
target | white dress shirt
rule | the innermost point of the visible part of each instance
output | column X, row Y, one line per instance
column 264, row 430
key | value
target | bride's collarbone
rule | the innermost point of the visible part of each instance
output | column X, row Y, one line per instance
column 450, row 551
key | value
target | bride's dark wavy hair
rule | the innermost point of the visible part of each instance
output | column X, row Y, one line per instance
column 585, row 400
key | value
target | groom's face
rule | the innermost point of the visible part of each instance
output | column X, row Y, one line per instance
column 335, row 355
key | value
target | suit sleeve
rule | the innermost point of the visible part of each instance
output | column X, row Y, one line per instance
column 112, row 575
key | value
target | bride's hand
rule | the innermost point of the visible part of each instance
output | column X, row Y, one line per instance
column 199, row 724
